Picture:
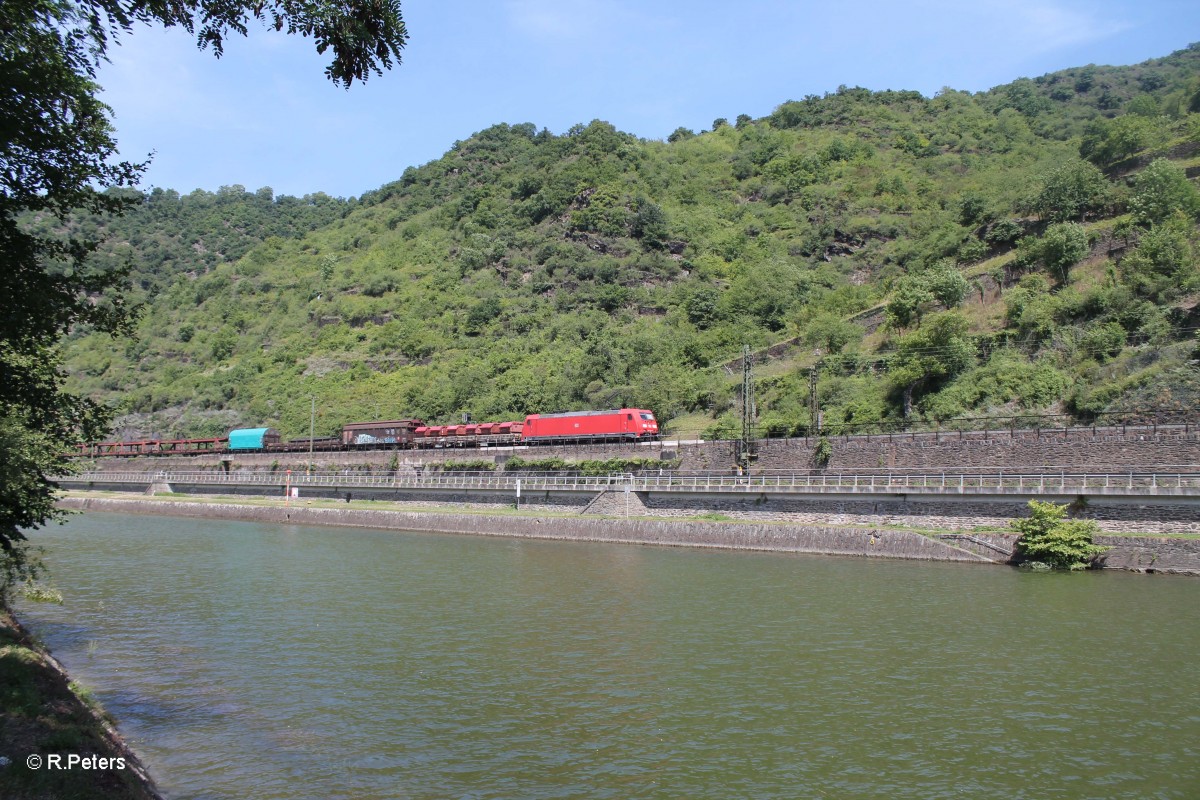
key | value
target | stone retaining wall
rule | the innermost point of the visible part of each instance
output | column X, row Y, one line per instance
column 1146, row 554
column 1134, row 553
column 1143, row 554
column 944, row 513
column 786, row 538
column 1073, row 449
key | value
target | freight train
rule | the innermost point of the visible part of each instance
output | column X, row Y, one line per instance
column 577, row 427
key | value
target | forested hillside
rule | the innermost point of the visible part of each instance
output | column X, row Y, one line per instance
column 1031, row 248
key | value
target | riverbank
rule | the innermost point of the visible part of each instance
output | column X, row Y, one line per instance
column 46, row 719
column 814, row 539
column 1169, row 554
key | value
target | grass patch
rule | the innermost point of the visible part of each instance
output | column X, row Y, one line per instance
column 687, row 427
column 41, row 713
column 714, row 516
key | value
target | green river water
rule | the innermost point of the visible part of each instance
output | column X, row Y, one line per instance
column 264, row 661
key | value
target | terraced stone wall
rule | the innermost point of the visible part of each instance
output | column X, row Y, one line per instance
column 1073, row 449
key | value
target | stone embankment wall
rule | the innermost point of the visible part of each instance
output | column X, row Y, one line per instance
column 1133, row 553
column 948, row 512
column 1146, row 554
column 1077, row 449
column 786, row 538
column 1137, row 553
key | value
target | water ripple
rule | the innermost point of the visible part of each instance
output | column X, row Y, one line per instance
column 285, row 663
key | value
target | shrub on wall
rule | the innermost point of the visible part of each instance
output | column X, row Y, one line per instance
column 465, row 466
column 591, row 467
column 1047, row 537
column 823, row 452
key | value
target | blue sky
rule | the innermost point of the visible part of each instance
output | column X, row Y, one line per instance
column 264, row 114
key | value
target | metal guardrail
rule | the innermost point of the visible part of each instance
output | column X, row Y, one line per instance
column 985, row 429
column 1141, row 483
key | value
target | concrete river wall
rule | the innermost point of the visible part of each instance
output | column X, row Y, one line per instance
column 1139, row 553
column 789, row 538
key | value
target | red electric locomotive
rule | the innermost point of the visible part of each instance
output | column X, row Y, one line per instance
column 630, row 424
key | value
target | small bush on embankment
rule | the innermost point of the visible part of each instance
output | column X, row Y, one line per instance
column 1048, row 538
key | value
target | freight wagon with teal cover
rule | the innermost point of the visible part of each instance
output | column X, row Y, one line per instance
column 253, row 438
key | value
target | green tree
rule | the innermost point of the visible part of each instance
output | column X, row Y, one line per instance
column 649, row 223
column 1032, row 309
column 1106, row 141
column 1164, row 265
column 1161, row 190
column 972, row 206
column 909, row 301
column 1103, row 340
column 1061, row 247
column 946, row 283
column 1069, row 192
column 1048, row 537
column 57, row 151
column 925, row 358
column 1144, row 105
column 915, row 295
column 701, row 306
column 328, row 265
column 831, row 332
